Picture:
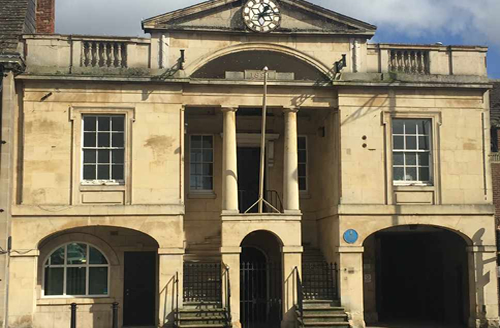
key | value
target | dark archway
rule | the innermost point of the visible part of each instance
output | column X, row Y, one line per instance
column 256, row 60
column 416, row 274
column 261, row 280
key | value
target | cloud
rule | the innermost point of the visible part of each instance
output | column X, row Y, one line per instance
column 471, row 21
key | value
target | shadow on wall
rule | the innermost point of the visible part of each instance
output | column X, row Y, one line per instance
column 482, row 278
column 170, row 293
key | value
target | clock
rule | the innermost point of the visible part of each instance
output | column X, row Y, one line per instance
column 262, row 15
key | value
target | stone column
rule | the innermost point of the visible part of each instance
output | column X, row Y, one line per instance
column 291, row 163
column 231, row 258
column 483, row 290
column 170, row 265
column 292, row 258
column 351, row 283
column 230, row 163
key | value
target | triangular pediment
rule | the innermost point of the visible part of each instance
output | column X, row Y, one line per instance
column 298, row 17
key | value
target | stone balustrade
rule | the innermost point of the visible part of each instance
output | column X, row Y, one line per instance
column 425, row 59
column 71, row 54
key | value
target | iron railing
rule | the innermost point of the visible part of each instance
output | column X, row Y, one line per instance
column 320, row 281
column 261, row 293
column 176, row 309
column 202, row 282
column 248, row 198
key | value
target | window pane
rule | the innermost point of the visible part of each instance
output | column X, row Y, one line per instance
column 75, row 281
column 411, row 127
column 424, row 127
column 423, row 143
column 96, row 257
column 411, row 174
column 103, row 140
column 195, row 142
column 207, row 169
column 423, row 159
column 118, row 172
column 77, row 253
column 89, row 172
column 411, row 143
column 207, row 183
column 104, row 123
column 195, row 169
column 118, row 156
column 103, row 156
column 399, row 173
column 192, row 182
column 208, row 142
column 302, row 184
column 98, row 281
column 302, row 143
column 411, row 159
column 302, row 156
column 397, row 127
column 103, row 172
column 196, row 156
column 208, row 156
column 398, row 158
column 302, row 170
column 54, row 281
column 89, row 123
column 424, row 174
column 57, row 258
column 118, row 123
column 89, row 139
column 399, row 143
column 118, row 140
column 89, row 156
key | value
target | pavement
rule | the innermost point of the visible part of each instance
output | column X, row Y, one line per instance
column 412, row 324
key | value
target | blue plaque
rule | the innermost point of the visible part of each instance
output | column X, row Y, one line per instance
column 351, row 236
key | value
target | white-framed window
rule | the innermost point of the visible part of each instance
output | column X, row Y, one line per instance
column 412, row 151
column 103, row 149
column 302, row 149
column 76, row 270
column 201, row 163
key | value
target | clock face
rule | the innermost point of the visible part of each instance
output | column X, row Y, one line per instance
column 262, row 15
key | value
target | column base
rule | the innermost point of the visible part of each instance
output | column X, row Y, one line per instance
column 230, row 212
column 484, row 323
column 356, row 320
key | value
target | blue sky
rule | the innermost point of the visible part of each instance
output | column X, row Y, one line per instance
column 452, row 22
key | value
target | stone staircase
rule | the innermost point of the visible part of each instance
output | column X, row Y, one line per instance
column 202, row 315
column 319, row 308
column 322, row 314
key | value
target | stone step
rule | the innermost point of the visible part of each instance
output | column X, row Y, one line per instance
column 327, row 324
column 202, row 306
column 220, row 325
column 325, row 318
column 202, row 321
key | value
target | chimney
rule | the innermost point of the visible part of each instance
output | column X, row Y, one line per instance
column 45, row 16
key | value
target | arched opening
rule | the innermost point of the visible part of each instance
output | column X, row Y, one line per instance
column 238, row 66
column 98, row 261
column 261, row 280
column 416, row 274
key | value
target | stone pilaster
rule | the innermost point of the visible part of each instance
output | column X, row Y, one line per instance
column 291, row 163
column 230, row 163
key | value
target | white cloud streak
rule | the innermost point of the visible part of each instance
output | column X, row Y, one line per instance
column 476, row 21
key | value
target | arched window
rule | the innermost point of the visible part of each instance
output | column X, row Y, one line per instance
column 76, row 269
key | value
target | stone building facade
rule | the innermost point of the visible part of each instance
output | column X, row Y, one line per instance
column 132, row 165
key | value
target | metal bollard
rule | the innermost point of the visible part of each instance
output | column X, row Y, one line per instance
column 73, row 315
column 115, row 315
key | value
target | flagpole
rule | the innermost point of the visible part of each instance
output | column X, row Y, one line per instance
column 263, row 144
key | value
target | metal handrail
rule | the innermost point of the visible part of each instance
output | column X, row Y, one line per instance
column 300, row 296
column 176, row 311
column 227, row 282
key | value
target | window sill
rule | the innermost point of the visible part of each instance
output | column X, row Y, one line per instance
column 414, row 187
column 104, row 187
column 63, row 300
column 202, row 195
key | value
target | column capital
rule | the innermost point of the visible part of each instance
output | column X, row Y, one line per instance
column 229, row 109
column 291, row 109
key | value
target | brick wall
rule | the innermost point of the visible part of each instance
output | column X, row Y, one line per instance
column 45, row 16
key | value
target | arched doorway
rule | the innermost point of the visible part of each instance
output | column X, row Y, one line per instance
column 416, row 274
column 261, row 280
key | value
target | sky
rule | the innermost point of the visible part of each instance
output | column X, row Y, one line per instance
column 452, row 22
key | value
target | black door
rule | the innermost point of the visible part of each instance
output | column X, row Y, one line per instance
column 248, row 177
column 139, row 301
